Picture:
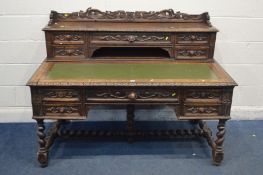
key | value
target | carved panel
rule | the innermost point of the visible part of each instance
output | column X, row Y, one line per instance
column 60, row 95
column 201, row 110
column 72, row 38
column 120, row 15
column 129, row 38
column 133, row 38
column 64, row 51
column 139, row 95
column 192, row 53
column 64, row 110
column 203, row 94
column 192, row 38
column 130, row 94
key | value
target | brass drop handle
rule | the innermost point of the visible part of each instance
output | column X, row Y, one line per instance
column 132, row 96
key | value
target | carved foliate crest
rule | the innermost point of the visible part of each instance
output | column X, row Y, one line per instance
column 96, row 15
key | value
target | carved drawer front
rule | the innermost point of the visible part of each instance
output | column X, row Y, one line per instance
column 68, row 51
column 61, row 38
column 190, row 52
column 131, row 38
column 65, row 95
column 203, row 95
column 192, row 38
column 202, row 110
column 132, row 95
column 61, row 110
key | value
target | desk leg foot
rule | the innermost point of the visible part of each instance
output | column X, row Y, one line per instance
column 130, row 123
column 42, row 154
column 218, row 150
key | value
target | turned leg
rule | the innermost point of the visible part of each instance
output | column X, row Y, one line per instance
column 218, row 151
column 42, row 154
column 130, row 123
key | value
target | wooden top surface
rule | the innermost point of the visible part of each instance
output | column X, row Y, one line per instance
column 131, row 73
column 130, row 27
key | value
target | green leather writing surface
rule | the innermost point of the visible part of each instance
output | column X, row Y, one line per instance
column 129, row 71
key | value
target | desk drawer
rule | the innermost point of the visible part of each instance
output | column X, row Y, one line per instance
column 191, row 52
column 131, row 38
column 192, row 38
column 202, row 110
column 60, row 95
column 62, row 110
column 68, row 51
column 61, row 38
column 129, row 95
column 203, row 95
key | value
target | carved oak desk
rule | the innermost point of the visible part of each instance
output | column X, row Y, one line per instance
column 130, row 58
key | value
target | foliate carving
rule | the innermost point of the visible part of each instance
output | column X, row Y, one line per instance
column 149, row 94
column 120, row 15
column 133, row 38
column 203, row 94
column 202, row 110
column 117, row 94
column 68, row 52
column 192, row 37
column 68, row 37
column 61, row 94
column 61, row 109
column 191, row 53
column 139, row 95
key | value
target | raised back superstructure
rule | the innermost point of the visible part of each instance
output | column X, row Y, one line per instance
column 96, row 35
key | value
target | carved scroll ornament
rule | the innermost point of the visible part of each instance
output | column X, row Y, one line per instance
column 120, row 15
column 62, row 94
column 68, row 37
column 201, row 110
column 132, row 38
column 139, row 95
column 62, row 109
column 191, row 53
column 69, row 52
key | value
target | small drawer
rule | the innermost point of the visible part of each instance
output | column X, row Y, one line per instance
column 68, row 51
column 132, row 95
column 191, row 52
column 132, row 38
column 61, row 38
column 203, row 95
column 192, row 38
column 202, row 110
column 57, row 95
column 62, row 110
